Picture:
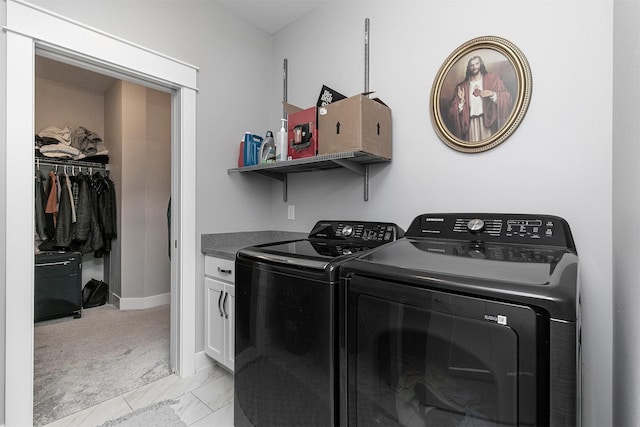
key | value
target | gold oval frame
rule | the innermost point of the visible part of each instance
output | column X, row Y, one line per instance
column 498, row 47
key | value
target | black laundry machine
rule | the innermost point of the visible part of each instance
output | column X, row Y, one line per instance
column 469, row 320
column 286, row 371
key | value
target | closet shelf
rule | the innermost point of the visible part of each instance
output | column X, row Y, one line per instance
column 355, row 161
column 49, row 161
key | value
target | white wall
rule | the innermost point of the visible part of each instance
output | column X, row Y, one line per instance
column 59, row 104
column 144, row 188
column 113, row 100
column 557, row 162
column 157, row 192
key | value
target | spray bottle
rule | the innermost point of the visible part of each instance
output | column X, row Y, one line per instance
column 281, row 142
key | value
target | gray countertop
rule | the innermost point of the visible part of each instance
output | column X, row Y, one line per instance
column 225, row 245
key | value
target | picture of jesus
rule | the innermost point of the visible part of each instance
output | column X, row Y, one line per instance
column 480, row 94
column 480, row 105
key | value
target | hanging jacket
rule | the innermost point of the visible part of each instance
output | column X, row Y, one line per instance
column 63, row 223
column 88, row 231
column 83, row 209
column 40, row 204
column 106, row 205
column 95, row 242
column 51, row 206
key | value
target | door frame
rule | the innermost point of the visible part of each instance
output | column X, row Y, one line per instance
column 29, row 29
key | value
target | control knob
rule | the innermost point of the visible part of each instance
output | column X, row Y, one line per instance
column 347, row 230
column 475, row 225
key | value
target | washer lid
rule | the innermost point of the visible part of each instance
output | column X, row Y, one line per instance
column 303, row 253
column 532, row 265
column 299, row 253
column 535, row 275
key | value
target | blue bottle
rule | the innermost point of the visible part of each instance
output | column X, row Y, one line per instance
column 252, row 145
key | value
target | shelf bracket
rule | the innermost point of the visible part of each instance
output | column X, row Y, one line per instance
column 284, row 188
column 366, row 182
column 282, row 177
column 355, row 167
column 360, row 169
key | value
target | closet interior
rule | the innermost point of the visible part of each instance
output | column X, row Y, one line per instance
column 115, row 136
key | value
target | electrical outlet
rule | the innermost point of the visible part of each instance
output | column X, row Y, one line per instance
column 291, row 213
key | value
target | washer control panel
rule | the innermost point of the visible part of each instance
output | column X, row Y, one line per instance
column 356, row 233
column 503, row 228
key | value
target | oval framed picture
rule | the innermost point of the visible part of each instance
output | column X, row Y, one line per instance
column 481, row 94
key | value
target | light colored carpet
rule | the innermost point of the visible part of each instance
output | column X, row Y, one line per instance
column 159, row 414
column 81, row 362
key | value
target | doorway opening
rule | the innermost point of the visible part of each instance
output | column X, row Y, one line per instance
column 29, row 30
column 127, row 152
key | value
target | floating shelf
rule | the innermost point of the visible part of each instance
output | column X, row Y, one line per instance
column 357, row 162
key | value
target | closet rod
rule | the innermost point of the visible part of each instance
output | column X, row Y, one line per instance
column 65, row 162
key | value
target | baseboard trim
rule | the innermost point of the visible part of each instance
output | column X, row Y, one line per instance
column 141, row 303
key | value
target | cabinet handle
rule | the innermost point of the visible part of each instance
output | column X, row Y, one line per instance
column 224, row 270
column 219, row 307
column 224, row 304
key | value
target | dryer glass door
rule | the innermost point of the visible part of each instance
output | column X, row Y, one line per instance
column 422, row 357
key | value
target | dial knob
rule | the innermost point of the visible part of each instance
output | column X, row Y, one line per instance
column 475, row 225
column 347, row 231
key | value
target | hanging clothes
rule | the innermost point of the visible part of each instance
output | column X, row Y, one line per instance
column 40, row 205
column 88, row 229
column 70, row 196
column 64, row 232
column 74, row 212
column 51, row 207
column 106, row 199
column 83, row 208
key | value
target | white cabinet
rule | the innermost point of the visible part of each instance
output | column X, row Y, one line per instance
column 219, row 306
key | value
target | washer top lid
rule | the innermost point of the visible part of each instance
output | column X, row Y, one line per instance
column 524, row 265
column 541, row 276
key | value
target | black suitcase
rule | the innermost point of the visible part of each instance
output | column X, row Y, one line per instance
column 58, row 285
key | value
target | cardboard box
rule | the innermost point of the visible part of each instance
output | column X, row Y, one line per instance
column 302, row 132
column 357, row 123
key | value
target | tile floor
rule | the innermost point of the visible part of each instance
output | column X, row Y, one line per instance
column 205, row 399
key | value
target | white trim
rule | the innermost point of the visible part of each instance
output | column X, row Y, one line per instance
column 29, row 28
column 35, row 22
column 142, row 303
column 184, row 224
column 19, row 233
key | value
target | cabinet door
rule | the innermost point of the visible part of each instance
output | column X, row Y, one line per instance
column 215, row 323
column 230, row 327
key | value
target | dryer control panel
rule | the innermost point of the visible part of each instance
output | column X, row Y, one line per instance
column 355, row 232
column 494, row 228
